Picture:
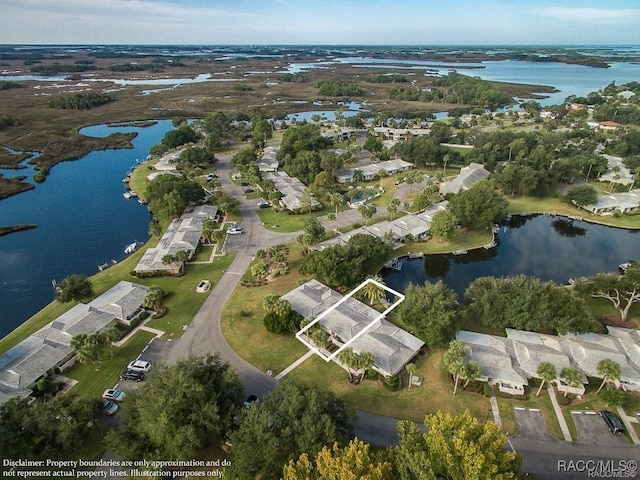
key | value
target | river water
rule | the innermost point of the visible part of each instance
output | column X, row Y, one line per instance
column 83, row 221
column 547, row 247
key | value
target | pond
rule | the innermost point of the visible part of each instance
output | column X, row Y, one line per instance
column 547, row 247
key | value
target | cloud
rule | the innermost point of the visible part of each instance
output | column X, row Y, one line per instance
column 592, row 15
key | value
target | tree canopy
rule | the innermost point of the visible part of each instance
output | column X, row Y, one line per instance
column 45, row 429
column 291, row 420
column 623, row 291
column 478, row 207
column 430, row 311
column 179, row 410
column 526, row 303
column 455, row 447
column 346, row 265
column 75, row 288
column 356, row 461
column 169, row 195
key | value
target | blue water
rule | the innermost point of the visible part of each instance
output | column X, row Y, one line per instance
column 83, row 221
column 550, row 248
column 568, row 79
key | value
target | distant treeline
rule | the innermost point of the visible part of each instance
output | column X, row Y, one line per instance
column 157, row 65
column 57, row 68
column 82, row 101
column 387, row 78
column 455, row 88
column 332, row 88
column 293, row 78
column 7, row 84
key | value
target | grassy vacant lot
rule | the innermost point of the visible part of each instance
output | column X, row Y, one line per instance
column 285, row 221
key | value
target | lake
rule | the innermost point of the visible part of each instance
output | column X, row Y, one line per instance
column 83, row 221
column 547, row 247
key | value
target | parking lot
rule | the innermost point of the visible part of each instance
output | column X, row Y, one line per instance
column 531, row 424
column 592, row 430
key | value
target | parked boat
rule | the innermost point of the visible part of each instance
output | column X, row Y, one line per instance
column 132, row 247
column 624, row 266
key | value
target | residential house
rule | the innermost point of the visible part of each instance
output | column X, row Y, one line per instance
column 416, row 225
column 469, row 176
column 532, row 348
column 48, row 350
column 496, row 363
column 372, row 171
column 341, row 134
column 588, row 349
column 183, row 234
column 625, row 202
column 392, row 347
column 609, row 126
column 268, row 162
column 292, row 191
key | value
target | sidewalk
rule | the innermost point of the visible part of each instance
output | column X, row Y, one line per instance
column 561, row 420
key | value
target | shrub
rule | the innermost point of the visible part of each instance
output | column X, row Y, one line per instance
column 486, row 390
column 562, row 400
column 613, row 398
column 281, row 324
column 391, row 383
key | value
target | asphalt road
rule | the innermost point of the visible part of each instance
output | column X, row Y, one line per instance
column 204, row 335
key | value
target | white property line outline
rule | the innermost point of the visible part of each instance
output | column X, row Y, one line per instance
column 309, row 345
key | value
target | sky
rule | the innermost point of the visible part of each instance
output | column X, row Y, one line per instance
column 321, row 22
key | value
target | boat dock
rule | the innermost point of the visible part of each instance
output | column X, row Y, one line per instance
column 394, row 264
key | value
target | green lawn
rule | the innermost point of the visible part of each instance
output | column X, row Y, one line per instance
column 285, row 221
column 555, row 205
column 93, row 380
column 434, row 395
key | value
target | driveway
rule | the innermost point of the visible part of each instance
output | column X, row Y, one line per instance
column 592, row 430
column 531, row 425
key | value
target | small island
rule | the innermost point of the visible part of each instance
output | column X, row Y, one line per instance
column 16, row 228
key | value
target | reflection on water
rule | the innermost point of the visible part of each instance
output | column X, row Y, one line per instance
column 550, row 248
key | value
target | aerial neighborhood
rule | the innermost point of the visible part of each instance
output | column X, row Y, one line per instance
column 310, row 286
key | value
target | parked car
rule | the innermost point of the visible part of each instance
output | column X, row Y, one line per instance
column 109, row 407
column 244, row 184
column 139, row 365
column 614, row 424
column 234, row 230
column 251, row 399
column 262, row 203
column 211, row 176
column 249, row 190
column 135, row 375
column 112, row 394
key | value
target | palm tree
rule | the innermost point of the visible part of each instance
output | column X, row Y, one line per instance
column 335, row 200
column 153, row 298
column 453, row 359
column 364, row 361
column 110, row 335
column 572, row 376
column 546, row 371
column 393, row 206
column 349, row 359
column 85, row 350
column 358, row 175
column 610, row 371
column 169, row 260
column 471, row 372
column 320, row 338
column 372, row 291
column 367, row 212
column 182, row 256
column 411, row 370
column 332, row 218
